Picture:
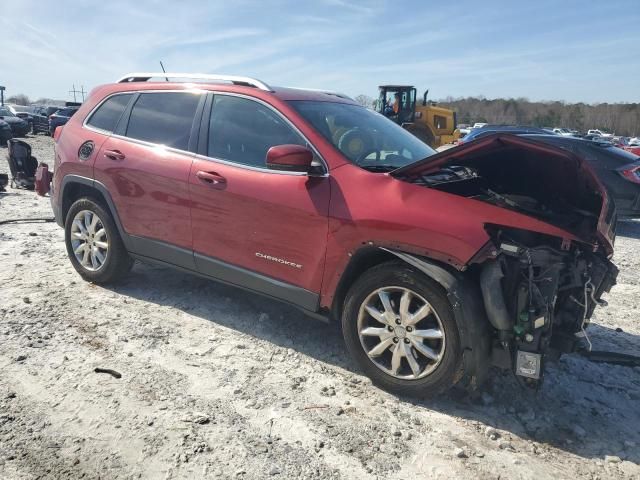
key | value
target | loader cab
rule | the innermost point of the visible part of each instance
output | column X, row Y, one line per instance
column 398, row 103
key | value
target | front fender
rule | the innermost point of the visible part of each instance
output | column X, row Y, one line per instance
column 468, row 310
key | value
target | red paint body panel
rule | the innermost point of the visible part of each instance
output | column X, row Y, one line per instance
column 411, row 218
column 283, row 216
column 149, row 189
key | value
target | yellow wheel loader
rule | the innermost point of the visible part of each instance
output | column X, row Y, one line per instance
column 433, row 125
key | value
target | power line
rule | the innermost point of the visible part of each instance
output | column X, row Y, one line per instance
column 74, row 92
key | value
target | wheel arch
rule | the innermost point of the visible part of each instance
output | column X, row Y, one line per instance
column 462, row 290
column 74, row 187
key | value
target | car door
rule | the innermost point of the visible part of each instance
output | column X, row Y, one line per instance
column 145, row 166
column 258, row 228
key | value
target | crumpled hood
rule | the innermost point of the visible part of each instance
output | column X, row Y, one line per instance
column 553, row 172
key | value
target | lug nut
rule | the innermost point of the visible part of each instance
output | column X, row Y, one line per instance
column 409, row 329
column 395, row 339
column 390, row 328
column 406, row 340
column 397, row 321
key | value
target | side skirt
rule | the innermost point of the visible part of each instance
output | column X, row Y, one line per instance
column 150, row 251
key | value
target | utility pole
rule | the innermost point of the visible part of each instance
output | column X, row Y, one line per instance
column 74, row 92
column 1, row 95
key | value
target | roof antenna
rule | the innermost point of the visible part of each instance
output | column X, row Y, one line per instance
column 163, row 70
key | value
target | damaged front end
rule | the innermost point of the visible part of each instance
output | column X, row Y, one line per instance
column 550, row 228
column 539, row 298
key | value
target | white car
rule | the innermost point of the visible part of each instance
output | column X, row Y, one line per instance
column 565, row 132
column 600, row 132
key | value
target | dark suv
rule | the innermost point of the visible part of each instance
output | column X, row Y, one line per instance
column 436, row 264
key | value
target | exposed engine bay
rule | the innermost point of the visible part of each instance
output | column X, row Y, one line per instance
column 539, row 298
column 539, row 290
column 546, row 192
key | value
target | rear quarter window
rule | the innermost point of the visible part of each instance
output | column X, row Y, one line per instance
column 107, row 115
column 163, row 118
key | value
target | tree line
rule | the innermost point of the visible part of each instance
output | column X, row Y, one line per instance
column 22, row 99
column 618, row 118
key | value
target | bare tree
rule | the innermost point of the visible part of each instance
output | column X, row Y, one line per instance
column 46, row 101
column 364, row 100
column 20, row 99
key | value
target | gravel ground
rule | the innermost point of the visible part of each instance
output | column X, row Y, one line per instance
column 220, row 383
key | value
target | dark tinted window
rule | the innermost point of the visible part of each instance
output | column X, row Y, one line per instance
column 107, row 115
column 163, row 118
column 66, row 112
column 241, row 130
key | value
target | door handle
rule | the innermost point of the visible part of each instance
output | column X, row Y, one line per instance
column 114, row 154
column 211, row 178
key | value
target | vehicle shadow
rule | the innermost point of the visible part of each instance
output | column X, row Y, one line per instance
column 584, row 408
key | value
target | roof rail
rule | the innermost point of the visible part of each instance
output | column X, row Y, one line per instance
column 236, row 80
column 320, row 90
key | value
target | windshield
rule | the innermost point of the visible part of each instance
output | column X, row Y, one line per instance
column 363, row 136
column 5, row 112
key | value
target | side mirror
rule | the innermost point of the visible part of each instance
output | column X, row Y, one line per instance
column 290, row 158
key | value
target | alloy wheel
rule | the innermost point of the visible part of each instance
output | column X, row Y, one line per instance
column 401, row 333
column 89, row 240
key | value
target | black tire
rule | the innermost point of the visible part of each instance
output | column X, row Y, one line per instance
column 117, row 261
column 447, row 372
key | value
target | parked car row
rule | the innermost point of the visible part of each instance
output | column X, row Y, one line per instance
column 35, row 118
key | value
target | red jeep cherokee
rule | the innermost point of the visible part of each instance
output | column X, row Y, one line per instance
column 437, row 264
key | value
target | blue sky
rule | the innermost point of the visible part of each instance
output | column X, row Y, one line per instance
column 544, row 50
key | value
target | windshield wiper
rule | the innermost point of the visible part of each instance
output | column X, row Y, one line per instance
column 380, row 168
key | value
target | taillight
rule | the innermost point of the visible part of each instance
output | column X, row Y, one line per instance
column 57, row 132
column 631, row 172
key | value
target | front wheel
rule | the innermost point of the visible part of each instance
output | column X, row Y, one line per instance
column 399, row 327
column 93, row 243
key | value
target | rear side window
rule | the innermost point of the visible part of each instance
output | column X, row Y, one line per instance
column 107, row 115
column 163, row 118
column 242, row 131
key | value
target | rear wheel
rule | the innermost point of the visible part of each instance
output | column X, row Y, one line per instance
column 93, row 243
column 399, row 327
